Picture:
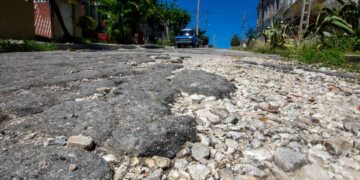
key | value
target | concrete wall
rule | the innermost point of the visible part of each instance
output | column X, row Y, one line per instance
column 17, row 19
column 71, row 14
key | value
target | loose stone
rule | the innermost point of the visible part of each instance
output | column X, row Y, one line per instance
column 338, row 145
column 162, row 162
column 198, row 171
column 81, row 141
column 200, row 151
column 289, row 160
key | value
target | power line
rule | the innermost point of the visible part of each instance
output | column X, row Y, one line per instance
column 243, row 25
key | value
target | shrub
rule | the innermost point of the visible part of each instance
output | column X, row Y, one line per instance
column 329, row 57
column 87, row 25
column 235, row 41
column 27, row 45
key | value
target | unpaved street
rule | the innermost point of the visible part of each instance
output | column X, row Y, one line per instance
column 175, row 114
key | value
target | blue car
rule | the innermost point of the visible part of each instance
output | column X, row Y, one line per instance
column 187, row 37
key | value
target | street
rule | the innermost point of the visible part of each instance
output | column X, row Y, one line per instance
column 175, row 114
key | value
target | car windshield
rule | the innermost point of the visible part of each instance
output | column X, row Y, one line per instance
column 186, row 33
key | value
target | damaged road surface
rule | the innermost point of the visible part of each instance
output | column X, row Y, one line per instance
column 189, row 114
column 120, row 101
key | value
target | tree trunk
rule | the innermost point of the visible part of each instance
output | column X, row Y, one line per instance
column 56, row 9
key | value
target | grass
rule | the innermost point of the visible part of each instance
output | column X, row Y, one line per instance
column 309, row 53
column 24, row 46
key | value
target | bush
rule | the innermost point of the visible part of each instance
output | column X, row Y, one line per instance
column 204, row 40
column 87, row 25
column 328, row 57
column 341, row 43
column 27, row 45
column 235, row 41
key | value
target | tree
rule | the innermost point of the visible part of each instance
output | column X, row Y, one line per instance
column 204, row 39
column 251, row 33
column 172, row 17
column 235, row 41
column 124, row 16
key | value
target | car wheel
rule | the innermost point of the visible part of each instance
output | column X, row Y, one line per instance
column 178, row 46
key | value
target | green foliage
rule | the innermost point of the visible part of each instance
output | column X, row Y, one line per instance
column 345, row 19
column 276, row 35
column 172, row 16
column 343, row 43
column 27, row 45
column 309, row 53
column 204, row 39
column 328, row 57
column 235, row 41
column 87, row 25
column 124, row 17
column 251, row 33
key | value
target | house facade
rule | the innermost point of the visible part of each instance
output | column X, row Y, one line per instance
column 28, row 19
column 287, row 10
column 17, row 19
column 47, row 24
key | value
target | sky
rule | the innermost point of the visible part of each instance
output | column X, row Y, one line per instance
column 224, row 17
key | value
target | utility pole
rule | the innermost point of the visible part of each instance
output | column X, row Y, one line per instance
column 198, row 18
column 214, row 37
column 243, row 25
column 206, row 19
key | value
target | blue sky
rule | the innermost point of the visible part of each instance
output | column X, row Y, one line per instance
column 224, row 17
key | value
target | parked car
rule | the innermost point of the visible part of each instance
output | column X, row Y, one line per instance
column 187, row 37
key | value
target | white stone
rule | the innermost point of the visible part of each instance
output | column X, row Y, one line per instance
column 156, row 175
column 258, row 154
column 181, row 164
column 350, row 163
column 162, row 162
column 109, row 158
column 249, row 170
column 232, row 146
column 196, row 97
column 81, row 141
column 121, row 172
column 289, row 160
column 312, row 171
column 200, row 151
column 230, row 107
column 237, row 135
column 337, row 145
column 150, row 162
column 178, row 175
column 198, row 171
column 207, row 115
column 204, row 139
column 226, row 174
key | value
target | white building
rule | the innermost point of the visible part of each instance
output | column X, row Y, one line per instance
column 288, row 10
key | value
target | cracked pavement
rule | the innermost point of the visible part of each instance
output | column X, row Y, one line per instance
column 138, row 104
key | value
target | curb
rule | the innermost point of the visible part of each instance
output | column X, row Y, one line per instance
column 100, row 46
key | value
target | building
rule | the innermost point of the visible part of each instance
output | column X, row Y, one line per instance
column 17, row 19
column 287, row 10
column 29, row 19
column 47, row 24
